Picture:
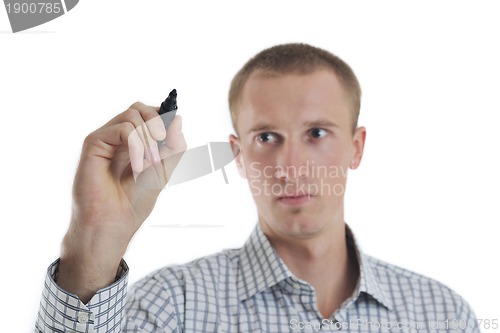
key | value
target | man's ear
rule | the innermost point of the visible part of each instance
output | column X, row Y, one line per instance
column 359, row 138
column 234, row 141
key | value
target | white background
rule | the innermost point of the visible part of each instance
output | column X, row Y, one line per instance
column 426, row 196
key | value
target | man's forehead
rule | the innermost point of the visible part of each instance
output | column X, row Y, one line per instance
column 310, row 100
column 320, row 79
column 262, row 74
column 307, row 90
column 289, row 100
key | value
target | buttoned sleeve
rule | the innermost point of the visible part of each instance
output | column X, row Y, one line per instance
column 62, row 311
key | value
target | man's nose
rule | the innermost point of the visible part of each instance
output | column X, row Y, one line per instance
column 291, row 161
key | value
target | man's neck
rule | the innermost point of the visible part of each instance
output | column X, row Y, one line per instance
column 324, row 262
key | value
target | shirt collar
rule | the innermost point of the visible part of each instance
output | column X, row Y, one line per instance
column 261, row 268
column 368, row 282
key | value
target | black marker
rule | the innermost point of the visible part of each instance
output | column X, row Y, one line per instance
column 168, row 108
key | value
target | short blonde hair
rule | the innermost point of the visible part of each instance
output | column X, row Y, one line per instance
column 295, row 58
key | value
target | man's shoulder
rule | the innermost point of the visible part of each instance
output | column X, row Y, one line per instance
column 382, row 267
column 403, row 285
column 388, row 272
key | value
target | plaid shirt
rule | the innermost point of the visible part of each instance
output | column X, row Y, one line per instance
column 251, row 290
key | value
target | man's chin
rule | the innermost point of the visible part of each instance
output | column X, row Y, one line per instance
column 297, row 225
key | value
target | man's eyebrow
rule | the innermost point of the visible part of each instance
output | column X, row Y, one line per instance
column 321, row 123
column 261, row 128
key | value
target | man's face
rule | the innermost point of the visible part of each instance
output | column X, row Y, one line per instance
column 295, row 146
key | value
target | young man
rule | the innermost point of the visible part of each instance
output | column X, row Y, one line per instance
column 294, row 108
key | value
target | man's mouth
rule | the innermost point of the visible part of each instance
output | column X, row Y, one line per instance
column 295, row 199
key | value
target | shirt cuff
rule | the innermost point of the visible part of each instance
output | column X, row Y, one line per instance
column 62, row 311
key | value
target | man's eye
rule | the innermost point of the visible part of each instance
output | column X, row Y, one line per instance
column 267, row 137
column 318, row 133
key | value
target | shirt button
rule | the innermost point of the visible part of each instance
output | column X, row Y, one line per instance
column 83, row 317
